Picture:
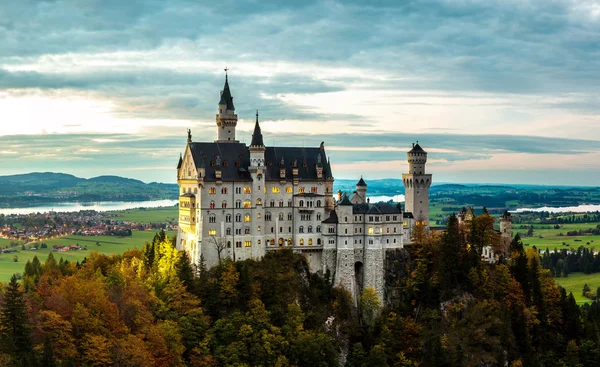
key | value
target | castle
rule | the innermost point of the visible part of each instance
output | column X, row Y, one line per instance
column 238, row 201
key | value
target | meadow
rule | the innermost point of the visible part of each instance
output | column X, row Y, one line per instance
column 546, row 237
column 108, row 245
column 574, row 284
column 149, row 215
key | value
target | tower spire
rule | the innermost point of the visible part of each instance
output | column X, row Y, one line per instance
column 257, row 138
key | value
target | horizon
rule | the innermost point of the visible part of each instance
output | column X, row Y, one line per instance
column 496, row 91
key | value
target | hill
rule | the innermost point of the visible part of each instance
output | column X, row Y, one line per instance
column 39, row 188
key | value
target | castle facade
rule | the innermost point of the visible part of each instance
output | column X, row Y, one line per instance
column 239, row 202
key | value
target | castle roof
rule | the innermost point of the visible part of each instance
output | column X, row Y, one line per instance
column 361, row 183
column 257, row 138
column 333, row 218
column 235, row 160
column 345, row 200
column 226, row 97
column 180, row 162
column 417, row 149
column 376, row 208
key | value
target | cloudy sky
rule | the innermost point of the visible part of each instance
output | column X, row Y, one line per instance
column 498, row 91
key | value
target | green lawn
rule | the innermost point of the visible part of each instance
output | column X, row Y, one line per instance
column 150, row 215
column 574, row 284
column 551, row 239
column 108, row 245
column 4, row 242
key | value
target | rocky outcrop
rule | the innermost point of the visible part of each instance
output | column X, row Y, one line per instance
column 397, row 266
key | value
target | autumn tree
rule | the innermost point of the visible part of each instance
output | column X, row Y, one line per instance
column 15, row 339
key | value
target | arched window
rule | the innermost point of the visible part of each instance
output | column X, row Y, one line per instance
column 228, row 244
column 238, row 204
column 272, row 242
column 318, row 203
column 301, row 229
column 280, row 216
column 281, row 242
column 212, row 218
column 223, row 190
column 310, row 229
column 228, row 231
column 301, row 203
column 258, row 201
column 238, row 217
column 228, row 218
column 212, row 204
column 281, row 203
column 247, row 204
column 247, row 230
column 289, row 241
column 318, row 229
column 272, row 203
column 302, row 242
column 318, row 241
column 224, row 204
column 310, row 241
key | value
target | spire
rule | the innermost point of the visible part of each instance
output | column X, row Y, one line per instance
column 226, row 97
column 361, row 183
column 180, row 161
column 257, row 138
column 189, row 135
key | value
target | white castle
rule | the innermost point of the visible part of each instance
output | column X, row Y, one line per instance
column 238, row 202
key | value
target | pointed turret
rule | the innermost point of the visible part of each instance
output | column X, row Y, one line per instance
column 226, row 118
column 257, row 138
column 180, row 161
column 226, row 98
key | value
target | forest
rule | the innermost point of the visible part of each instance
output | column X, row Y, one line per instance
column 152, row 307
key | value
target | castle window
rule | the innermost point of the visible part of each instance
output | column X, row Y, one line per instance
column 371, row 230
column 247, row 230
column 212, row 218
column 280, row 242
column 310, row 229
column 301, row 203
column 318, row 216
column 394, row 229
column 238, row 190
column 289, row 203
column 238, row 231
column 238, row 217
column 223, row 190
column 238, row 204
column 275, row 190
column 289, row 216
column 331, row 241
column 238, row 244
column 377, row 218
column 228, row 218
column 387, row 218
column 318, row 241
column 395, row 217
column 247, row 243
column 394, row 240
column 280, row 229
column 228, row 231
column 268, row 216
column 212, row 190
column 318, row 229
column 318, row 203
column 387, row 230
column 228, row 244
column 212, row 232
column 258, row 215
column 280, row 216
column 314, row 190
column 247, row 190
column 370, row 242
column 272, row 229
column 212, row 204
column 370, row 218
column 281, row 203
column 224, row 204
column 405, row 224
column 302, row 242
column 272, row 203
column 289, row 241
column 289, row 190
column 247, row 218
column 273, row 241
column 258, row 201
column 310, row 242
column 301, row 229
column 258, row 242
column 300, row 190
column 247, row 204
column 258, row 228
column 346, row 231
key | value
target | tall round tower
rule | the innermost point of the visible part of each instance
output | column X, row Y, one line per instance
column 226, row 118
column 416, row 185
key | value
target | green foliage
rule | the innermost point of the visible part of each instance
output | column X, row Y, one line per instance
column 15, row 339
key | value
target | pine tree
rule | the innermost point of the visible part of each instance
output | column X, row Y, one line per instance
column 14, row 326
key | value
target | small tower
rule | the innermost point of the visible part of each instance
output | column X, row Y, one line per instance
column 416, row 185
column 226, row 118
column 257, row 171
column 506, row 225
column 361, row 190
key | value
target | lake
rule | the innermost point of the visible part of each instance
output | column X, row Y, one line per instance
column 395, row 198
column 102, row 206
column 584, row 208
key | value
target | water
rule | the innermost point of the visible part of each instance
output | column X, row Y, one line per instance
column 101, row 206
column 395, row 198
column 584, row 208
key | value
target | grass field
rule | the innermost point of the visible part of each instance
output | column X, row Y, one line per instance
column 574, row 283
column 150, row 215
column 108, row 245
column 550, row 237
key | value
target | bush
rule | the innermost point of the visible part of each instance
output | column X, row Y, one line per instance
column 15, row 258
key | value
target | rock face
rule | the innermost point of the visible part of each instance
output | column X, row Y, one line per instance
column 397, row 266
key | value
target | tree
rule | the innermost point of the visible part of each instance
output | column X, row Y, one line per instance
column 219, row 244
column 369, row 305
column 15, row 337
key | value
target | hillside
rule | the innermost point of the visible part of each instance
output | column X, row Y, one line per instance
column 47, row 187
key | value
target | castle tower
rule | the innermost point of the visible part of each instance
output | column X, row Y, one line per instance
column 226, row 118
column 257, row 171
column 361, row 190
column 506, row 225
column 348, row 272
column 416, row 185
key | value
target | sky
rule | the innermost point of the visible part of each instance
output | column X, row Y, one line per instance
column 496, row 91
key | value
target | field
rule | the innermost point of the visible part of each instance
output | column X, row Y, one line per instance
column 574, row 283
column 551, row 239
column 150, row 215
column 108, row 245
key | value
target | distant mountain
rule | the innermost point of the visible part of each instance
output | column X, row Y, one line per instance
column 47, row 187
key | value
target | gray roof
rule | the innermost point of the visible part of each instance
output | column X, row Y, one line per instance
column 361, row 183
column 226, row 97
column 235, row 160
column 417, row 149
column 333, row 218
column 257, row 138
column 376, row 208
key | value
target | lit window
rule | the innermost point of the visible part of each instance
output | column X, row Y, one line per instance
column 247, row 243
column 275, row 190
column 258, row 201
column 247, row 190
column 224, row 190
column 302, row 242
column 301, row 190
column 258, row 242
column 212, row 232
column 212, row 204
column 405, row 224
column 212, row 190
column 258, row 228
column 310, row 241
column 288, row 190
column 247, row 204
column 258, row 215
column 371, row 231
column 247, row 218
